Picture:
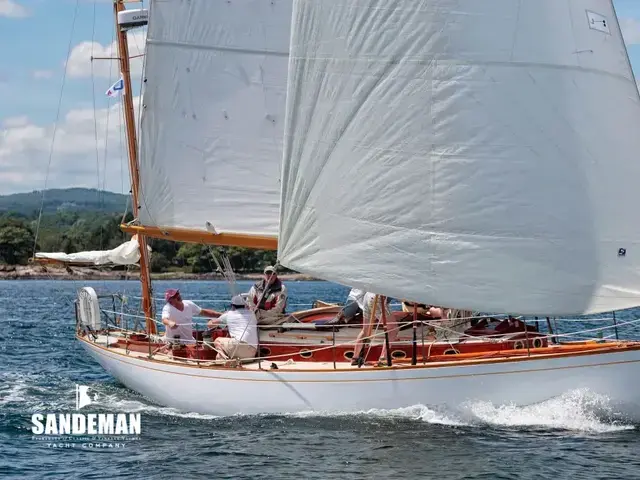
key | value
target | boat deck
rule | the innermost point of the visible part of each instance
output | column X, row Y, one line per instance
column 565, row 349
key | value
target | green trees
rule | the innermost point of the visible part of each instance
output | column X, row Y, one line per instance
column 72, row 231
column 16, row 241
column 194, row 258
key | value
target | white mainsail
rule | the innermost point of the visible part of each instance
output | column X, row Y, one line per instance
column 213, row 117
column 476, row 154
column 127, row 253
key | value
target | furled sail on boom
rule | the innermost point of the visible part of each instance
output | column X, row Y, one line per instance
column 128, row 253
column 213, row 118
column 477, row 154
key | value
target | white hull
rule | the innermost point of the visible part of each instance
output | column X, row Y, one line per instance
column 221, row 391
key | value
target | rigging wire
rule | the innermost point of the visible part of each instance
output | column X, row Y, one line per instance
column 106, row 128
column 95, row 124
column 106, row 138
column 63, row 295
column 93, row 96
column 141, row 51
column 121, row 151
column 55, row 126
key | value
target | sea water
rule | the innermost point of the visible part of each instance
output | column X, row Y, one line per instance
column 577, row 435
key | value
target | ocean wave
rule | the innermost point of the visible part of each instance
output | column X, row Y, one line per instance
column 16, row 388
column 114, row 402
column 414, row 412
column 13, row 392
column 578, row 410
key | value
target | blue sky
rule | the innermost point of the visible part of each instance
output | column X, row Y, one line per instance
column 34, row 46
column 35, row 38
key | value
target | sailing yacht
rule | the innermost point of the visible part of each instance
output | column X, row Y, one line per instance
column 460, row 152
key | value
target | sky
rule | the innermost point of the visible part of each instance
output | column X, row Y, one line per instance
column 39, row 42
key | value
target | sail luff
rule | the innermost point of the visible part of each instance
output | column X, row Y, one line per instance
column 479, row 155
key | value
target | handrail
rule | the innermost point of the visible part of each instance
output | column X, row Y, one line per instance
column 121, row 324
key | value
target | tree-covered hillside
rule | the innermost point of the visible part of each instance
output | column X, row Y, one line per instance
column 63, row 200
column 73, row 221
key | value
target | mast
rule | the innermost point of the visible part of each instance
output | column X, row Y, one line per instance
column 123, row 49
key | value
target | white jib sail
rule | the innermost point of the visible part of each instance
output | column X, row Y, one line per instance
column 213, row 115
column 126, row 254
column 472, row 154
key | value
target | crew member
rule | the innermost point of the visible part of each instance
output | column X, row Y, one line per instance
column 177, row 316
column 370, row 319
column 243, row 329
column 268, row 297
column 353, row 307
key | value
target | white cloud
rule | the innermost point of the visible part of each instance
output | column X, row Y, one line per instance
column 79, row 62
column 630, row 30
column 10, row 8
column 15, row 121
column 25, row 147
column 42, row 74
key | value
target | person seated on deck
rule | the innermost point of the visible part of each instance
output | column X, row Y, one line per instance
column 430, row 311
column 351, row 309
column 177, row 316
column 243, row 328
column 268, row 298
column 369, row 319
column 445, row 324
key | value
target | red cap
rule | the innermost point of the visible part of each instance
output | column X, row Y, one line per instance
column 169, row 294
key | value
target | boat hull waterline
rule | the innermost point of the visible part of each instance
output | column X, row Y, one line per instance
column 228, row 391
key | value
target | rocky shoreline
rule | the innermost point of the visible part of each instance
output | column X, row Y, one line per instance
column 55, row 272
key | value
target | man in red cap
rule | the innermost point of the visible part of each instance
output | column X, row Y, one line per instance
column 177, row 316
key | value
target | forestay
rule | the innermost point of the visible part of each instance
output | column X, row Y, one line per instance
column 465, row 153
column 213, row 117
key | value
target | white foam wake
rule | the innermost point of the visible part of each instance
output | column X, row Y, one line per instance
column 113, row 402
column 13, row 392
column 414, row 412
column 577, row 410
column 17, row 388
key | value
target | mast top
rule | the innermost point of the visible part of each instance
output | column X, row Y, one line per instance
column 129, row 19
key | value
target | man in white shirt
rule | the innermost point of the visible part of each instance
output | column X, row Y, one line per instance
column 177, row 316
column 243, row 328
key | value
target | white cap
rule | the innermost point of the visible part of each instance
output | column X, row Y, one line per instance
column 238, row 301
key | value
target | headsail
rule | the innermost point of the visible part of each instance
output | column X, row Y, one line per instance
column 477, row 154
column 213, row 119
